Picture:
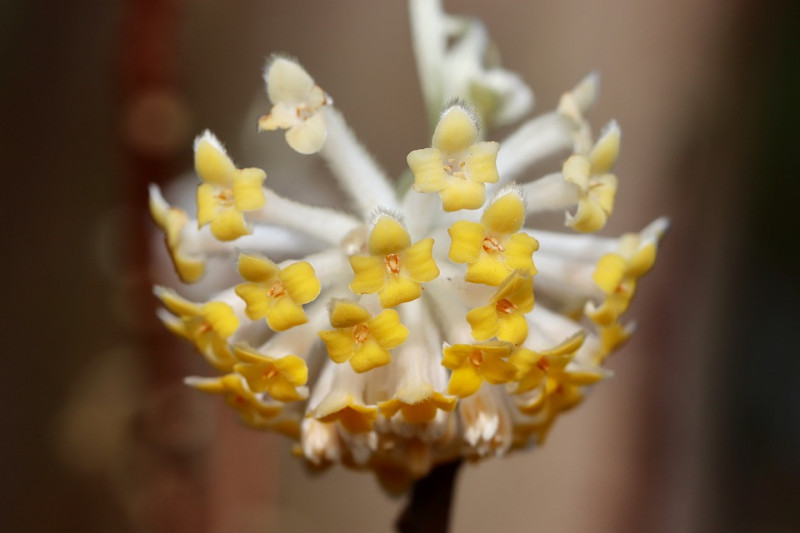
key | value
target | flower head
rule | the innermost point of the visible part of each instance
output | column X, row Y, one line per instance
column 405, row 333
column 297, row 104
column 456, row 166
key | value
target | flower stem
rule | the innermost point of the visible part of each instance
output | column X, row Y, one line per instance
column 428, row 508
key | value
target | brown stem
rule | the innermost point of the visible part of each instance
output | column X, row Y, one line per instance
column 428, row 508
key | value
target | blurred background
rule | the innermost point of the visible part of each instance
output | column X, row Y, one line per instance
column 698, row 431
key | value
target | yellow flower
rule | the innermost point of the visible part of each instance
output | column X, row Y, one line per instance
column 504, row 317
column 418, row 410
column 226, row 192
column 274, row 293
column 545, row 375
column 494, row 247
column 617, row 274
column 238, row 395
column 472, row 364
column 457, row 166
column 596, row 185
column 359, row 338
column 208, row 326
column 349, row 411
column 279, row 377
column 297, row 105
column 395, row 269
column 174, row 223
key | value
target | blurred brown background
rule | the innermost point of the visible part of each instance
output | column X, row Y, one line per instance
column 698, row 431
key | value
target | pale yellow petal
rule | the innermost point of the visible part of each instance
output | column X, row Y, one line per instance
column 609, row 272
column 308, row 136
column 519, row 252
column 576, row 170
column 211, row 162
column 428, row 169
column 505, row 214
column 462, row 194
column 455, row 132
column 482, row 162
column 496, row 370
column 605, row 152
column 221, row 318
column 208, row 203
column 248, row 194
column 287, row 81
column 512, row 328
column 229, row 225
column 388, row 236
column 487, row 269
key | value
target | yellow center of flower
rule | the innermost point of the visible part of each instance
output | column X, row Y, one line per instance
column 304, row 112
column 505, row 306
column 360, row 333
column 543, row 365
column 492, row 244
column 278, row 289
column 392, row 264
column 455, row 168
column 476, row 358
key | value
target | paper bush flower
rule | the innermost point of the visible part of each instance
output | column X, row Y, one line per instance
column 406, row 333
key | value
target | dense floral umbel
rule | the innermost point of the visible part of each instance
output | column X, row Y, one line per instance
column 435, row 321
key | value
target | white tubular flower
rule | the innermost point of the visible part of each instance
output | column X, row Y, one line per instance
column 407, row 333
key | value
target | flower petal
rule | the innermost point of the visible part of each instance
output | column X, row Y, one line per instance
column 462, row 194
column 368, row 274
column 456, row 131
column 483, row 321
column 464, row 381
column 482, row 162
column 301, row 282
column 388, row 236
column 308, row 136
column 417, row 261
column 398, row 290
column 368, row 356
column 283, row 313
column 428, row 169
column 466, row 240
column 255, row 298
column 211, row 162
column 387, row 329
column 504, row 215
column 229, row 225
column 247, row 192
column 287, row 81
column 339, row 343
column 346, row 314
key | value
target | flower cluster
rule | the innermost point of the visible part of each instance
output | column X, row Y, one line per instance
column 407, row 333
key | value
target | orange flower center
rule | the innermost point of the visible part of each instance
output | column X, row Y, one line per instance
column 278, row 289
column 505, row 306
column 270, row 371
column 360, row 333
column 392, row 264
column 543, row 364
column 476, row 358
column 455, row 168
column 492, row 245
column 225, row 196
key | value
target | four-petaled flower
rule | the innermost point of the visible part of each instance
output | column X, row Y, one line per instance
column 279, row 377
column 418, row 410
column 504, row 317
column 361, row 339
column 472, row 364
column 596, row 185
column 208, row 326
column 226, row 191
column 276, row 293
column 457, row 166
column 395, row 269
column 174, row 223
column 297, row 105
column 617, row 274
column 494, row 247
column 238, row 395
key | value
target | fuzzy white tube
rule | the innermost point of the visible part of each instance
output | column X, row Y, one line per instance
column 357, row 172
